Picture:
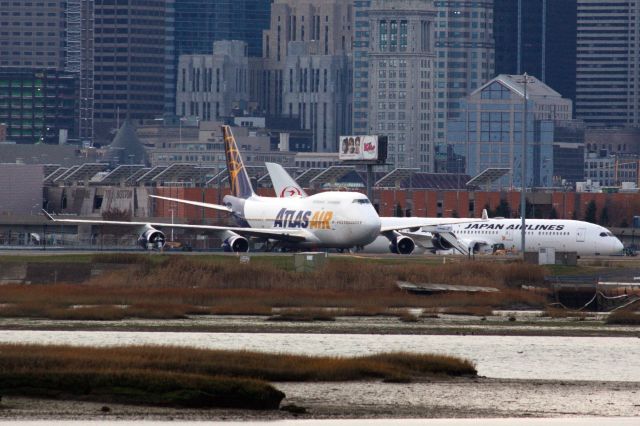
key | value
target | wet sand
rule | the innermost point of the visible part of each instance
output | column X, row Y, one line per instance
column 459, row 398
column 525, row 324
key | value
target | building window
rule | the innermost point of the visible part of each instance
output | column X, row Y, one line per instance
column 383, row 36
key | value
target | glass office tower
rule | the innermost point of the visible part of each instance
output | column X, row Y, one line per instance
column 198, row 23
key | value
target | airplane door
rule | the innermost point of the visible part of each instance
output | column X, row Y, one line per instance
column 580, row 234
column 507, row 235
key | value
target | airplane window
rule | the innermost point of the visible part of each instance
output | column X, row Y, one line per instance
column 362, row 201
column 603, row 234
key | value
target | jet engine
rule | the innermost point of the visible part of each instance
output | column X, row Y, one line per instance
column 440, row 243
column 236, row 244
column 152, row 238
column 402, row 245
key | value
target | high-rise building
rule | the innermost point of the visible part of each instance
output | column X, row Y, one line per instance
column 305, row 73
column 398, row 87
column 317, row 91
column 198, row 23
column 361, row 43
column 46, row 45
column 327, row 24
column 608, row 63
column 38, row 106
column 537, row 37
column 488, row 134
column 212, row 86
column 465, row 55
column 131, row 62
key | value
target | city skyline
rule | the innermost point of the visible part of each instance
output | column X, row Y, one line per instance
column 402, row 68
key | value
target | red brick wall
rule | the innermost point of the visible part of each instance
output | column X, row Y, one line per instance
column 432, row 203
column 621, row 207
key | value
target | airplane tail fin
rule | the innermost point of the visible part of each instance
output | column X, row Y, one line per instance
column 485, row 214
column 238, row 177
column 283, row 184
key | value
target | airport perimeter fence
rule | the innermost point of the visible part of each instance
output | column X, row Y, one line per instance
column 21, row 240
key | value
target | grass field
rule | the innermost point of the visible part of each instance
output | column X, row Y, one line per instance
column 177, row 286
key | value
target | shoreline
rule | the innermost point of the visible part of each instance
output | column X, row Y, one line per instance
column 464, row 397
column 526, row 325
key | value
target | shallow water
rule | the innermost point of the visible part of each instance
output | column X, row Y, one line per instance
column 512, row 357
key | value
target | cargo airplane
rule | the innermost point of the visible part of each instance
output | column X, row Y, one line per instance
column 332, row 219
column 584, row 238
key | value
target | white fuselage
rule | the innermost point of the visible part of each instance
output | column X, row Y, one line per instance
column 562, row 235
column 328, row 219
column 586, row 239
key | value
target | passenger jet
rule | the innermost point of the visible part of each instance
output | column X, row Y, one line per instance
column 333, row 219
column 584, row 238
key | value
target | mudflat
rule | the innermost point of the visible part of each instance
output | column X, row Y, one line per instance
column 458, row 398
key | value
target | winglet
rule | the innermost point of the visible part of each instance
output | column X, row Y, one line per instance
column 485, row 214
column 48, row 215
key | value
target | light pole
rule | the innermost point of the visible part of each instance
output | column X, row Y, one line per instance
column 523, row 166
column 171, row 210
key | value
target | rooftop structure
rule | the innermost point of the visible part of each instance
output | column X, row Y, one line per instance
column 126, row 148
column 489, row 133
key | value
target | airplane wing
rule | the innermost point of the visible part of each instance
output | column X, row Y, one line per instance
column 290, row 235
column 426, row 224
column 194, row 203
column 422, row 230
column 283, row 184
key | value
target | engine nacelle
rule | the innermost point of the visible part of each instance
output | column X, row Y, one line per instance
column 440, row 243
column 152, row 238
column 402, row 245
column 236, row 244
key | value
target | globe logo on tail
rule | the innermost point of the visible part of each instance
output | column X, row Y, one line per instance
column 290, row 191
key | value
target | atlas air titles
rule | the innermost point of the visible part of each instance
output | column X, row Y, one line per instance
column 303, row 219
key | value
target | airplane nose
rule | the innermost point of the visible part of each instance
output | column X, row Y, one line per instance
column 372, row 228
column 618, row 246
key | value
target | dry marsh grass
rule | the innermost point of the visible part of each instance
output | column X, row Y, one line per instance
column 178, row 286
column 236, row 364
column 555, row 312
column 624, row 317
column 481, row 311
column 142, row 375
column 186, row 377
column 304, row 315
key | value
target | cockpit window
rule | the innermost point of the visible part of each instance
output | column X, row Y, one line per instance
column 606, row 234
column 362, row 201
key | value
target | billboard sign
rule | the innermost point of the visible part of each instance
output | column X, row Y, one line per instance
column 354, row 148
